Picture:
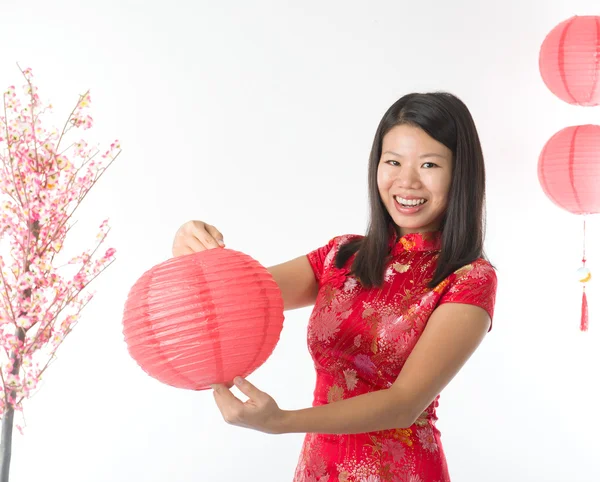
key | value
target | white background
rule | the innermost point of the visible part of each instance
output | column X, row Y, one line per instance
column 258, row 117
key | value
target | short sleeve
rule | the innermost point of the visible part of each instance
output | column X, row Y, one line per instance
column 473, row 284
column 321, row 258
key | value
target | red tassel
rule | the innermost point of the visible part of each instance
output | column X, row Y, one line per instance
column 584, row 312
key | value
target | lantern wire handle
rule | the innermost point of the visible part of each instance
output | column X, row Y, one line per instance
column 584, row 304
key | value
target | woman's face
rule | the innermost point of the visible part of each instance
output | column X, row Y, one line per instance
column 413, row 177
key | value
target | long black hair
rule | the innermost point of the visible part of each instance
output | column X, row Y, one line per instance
column 445, row 118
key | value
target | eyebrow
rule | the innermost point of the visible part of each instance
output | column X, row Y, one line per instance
column 422, row 156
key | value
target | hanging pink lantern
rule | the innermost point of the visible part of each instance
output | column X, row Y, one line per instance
column 569, row 172
column 203, row 318
column 569, row 60
column 569, row 169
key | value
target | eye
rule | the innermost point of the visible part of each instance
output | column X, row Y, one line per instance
column 392, row 162
column 431, row 164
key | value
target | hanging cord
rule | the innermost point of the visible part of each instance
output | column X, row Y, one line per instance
column 584, row 304
column 583, row 260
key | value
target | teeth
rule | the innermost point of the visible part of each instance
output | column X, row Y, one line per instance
column 409, row 202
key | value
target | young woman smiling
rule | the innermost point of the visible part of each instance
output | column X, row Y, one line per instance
column 397, row 312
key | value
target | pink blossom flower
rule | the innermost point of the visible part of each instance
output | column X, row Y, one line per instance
column 364, row 364
column 325, row 325
column 427, row 439
column 12, row 381
column 395, row 449
column 24, row 322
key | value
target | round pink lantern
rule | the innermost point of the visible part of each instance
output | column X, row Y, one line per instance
column 569, row 60
column 203, row 318
column 569, row 169
column 569, row 172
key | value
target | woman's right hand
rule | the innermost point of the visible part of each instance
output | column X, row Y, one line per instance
column 295, row 278
column 195, row 236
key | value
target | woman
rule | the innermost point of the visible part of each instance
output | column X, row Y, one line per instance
column 397, row 312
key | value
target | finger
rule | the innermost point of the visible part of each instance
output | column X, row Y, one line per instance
column 229, row 405
column 220, row 386
column 204, row 237
column 223, row 393
column 247, row 388
column 216, row 234
column 194, row 245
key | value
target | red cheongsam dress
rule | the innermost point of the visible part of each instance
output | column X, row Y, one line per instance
column 359, row 340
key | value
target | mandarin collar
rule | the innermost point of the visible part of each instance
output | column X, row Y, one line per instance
column 419, row 242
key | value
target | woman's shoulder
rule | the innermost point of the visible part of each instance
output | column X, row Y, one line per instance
column 337, row 241
column 474, row 283
column 480, row 265
column 325, row 254
column 478, row 262
column 346, row 238
column 478, row 272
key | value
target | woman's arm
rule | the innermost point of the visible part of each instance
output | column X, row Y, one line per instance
column 453, row 333
column 297, row 283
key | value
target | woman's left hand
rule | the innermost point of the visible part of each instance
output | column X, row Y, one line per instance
column 260, row 412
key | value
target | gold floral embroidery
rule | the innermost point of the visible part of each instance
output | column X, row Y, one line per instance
column 374, row 346
column 406, row 295
column 401, row 268
column 373, row 319
column 343, row 477
column 408, row 244
column 335, row 394
column 464, row 269
column 328, row 294
column 370, row 316
column 423, row 419
column 350, row 377
column 404, row 435
column 439, row 288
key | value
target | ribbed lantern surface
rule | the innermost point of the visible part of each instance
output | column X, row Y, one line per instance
column 569, row 60
column 203, row 318
column 569, row 169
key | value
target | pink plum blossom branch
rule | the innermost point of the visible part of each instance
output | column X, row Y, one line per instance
column 43, row 186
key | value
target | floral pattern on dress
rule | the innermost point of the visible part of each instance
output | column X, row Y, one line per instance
column 359, row 340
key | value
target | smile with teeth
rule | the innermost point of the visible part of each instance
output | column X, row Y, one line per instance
column 409, row 202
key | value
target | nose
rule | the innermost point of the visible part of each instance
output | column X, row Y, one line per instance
column 408, row 178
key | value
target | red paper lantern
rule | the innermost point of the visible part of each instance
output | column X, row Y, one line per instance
column 569, row 169
column 203, row 318
column 569, row 60
column 569, row 172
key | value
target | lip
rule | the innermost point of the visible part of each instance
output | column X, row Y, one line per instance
column 412, row 210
